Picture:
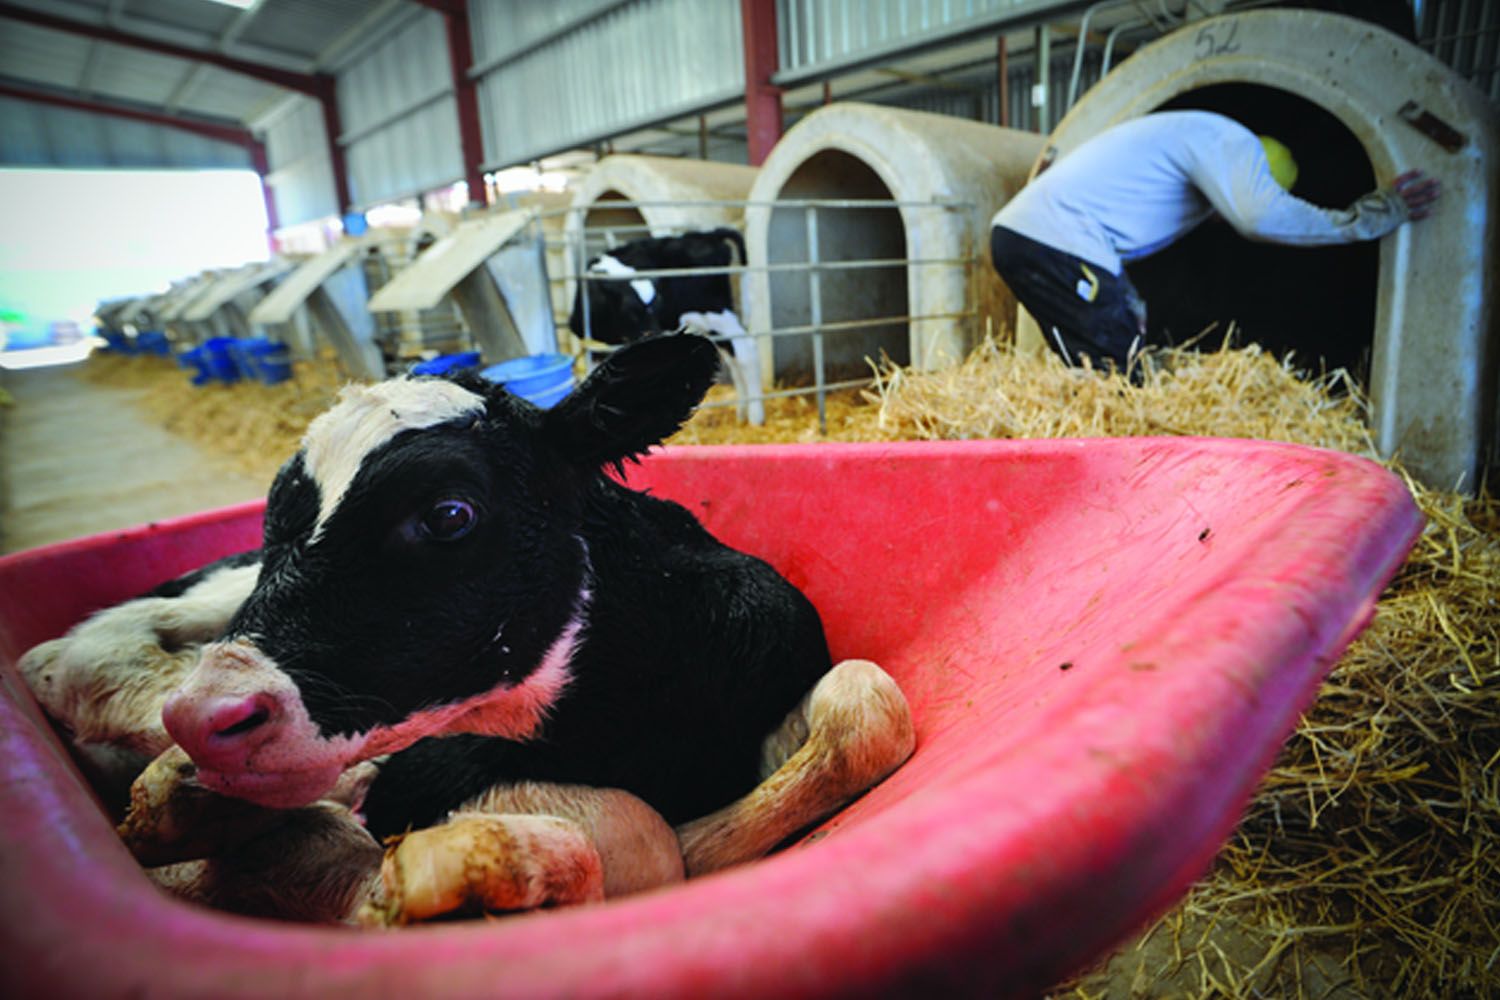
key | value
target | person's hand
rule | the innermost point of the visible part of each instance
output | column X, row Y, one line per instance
column 1418, row 191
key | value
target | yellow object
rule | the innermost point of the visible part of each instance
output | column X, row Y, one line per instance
column 1283, row 164
column 1088, row 285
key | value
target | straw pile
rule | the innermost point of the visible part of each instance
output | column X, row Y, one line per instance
column 251, row 426
column 1369, row 862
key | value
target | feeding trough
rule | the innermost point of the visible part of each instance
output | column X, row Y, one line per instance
column 1104, row 643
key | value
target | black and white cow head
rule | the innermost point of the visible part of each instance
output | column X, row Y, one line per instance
column 423, row 572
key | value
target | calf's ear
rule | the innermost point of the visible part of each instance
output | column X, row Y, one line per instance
column 639, row 396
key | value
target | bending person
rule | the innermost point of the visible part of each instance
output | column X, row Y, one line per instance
column 1061, row 244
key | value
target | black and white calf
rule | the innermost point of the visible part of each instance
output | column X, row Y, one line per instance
column 442, row 559
column 633, row 305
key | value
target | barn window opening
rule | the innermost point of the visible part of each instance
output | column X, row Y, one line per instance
column 1317, row 304
column 809, row 297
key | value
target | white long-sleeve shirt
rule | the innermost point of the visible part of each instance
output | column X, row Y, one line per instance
column 1137, row 187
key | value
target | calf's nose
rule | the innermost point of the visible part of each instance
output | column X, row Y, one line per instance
column 218, row 730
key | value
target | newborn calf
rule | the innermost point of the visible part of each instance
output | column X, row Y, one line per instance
column 442, row 559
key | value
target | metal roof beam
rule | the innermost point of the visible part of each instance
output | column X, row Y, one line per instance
column 213, row 130
column 315, row 85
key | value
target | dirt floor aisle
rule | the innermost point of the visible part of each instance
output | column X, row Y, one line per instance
column 78, row 458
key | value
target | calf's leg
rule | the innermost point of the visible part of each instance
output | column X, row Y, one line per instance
column 525, row 845
column 852, row 730
column 317, row 864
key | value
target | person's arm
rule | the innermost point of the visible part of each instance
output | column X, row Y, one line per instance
column 1251, row 201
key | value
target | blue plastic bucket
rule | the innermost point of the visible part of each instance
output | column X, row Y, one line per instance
column 544, row 379
column 446, row 363
column 272, row 360
column 153, row 342
column 193, row 360
column 219, row 359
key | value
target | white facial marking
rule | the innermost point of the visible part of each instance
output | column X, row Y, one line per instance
column 616, row 268
column 368, row 416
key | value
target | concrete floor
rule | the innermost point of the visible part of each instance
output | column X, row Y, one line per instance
column 78, row 458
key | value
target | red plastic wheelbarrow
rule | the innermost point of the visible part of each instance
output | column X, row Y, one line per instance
column 1104, row 644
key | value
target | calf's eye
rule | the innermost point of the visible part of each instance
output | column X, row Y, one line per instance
column 447, row 520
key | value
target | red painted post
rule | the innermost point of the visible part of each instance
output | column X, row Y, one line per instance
column 329, row 100
column 461, row 59
column 262, row 164
column 762, row 97
column 1002, row 70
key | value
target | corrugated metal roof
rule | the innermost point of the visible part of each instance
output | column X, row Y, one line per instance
column 109, row 51
column 38, row 136
column 665, row 75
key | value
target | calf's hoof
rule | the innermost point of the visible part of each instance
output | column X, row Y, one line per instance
column 476, row 863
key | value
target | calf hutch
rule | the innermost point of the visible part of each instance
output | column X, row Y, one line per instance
column 1413, row 315
column 864, row 233
column 626, row 196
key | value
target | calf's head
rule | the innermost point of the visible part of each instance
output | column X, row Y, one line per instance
column 423, row 572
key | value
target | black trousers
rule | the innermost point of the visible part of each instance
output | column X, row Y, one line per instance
column 1081, row 308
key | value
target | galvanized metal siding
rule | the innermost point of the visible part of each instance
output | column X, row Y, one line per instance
column 301, row 174
column 503, row 28
column 819, row 33
column 39, row 135
column 612, row 68
column 399, row 117
column 1465, row 34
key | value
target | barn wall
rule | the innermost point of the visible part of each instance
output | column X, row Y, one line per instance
column 399, row 116
column 301, row 175
column 559, row 75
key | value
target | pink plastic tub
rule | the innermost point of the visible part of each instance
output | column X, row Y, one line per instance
column 1104, row 643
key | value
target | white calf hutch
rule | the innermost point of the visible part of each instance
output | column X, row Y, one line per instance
column 901, row 199
column 1358, row 106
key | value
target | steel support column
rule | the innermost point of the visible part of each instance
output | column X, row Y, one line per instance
column 263, row 170
column 762, row 97
column 465, row 96
column 328, row 100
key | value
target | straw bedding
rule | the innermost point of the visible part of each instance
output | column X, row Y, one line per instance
column 1368, row 864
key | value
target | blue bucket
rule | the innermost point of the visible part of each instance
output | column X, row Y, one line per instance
column 271, row 360
column 153, row 342
column 193, row 360
column 219, row 359
column 446, row 363
column 544, row 379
